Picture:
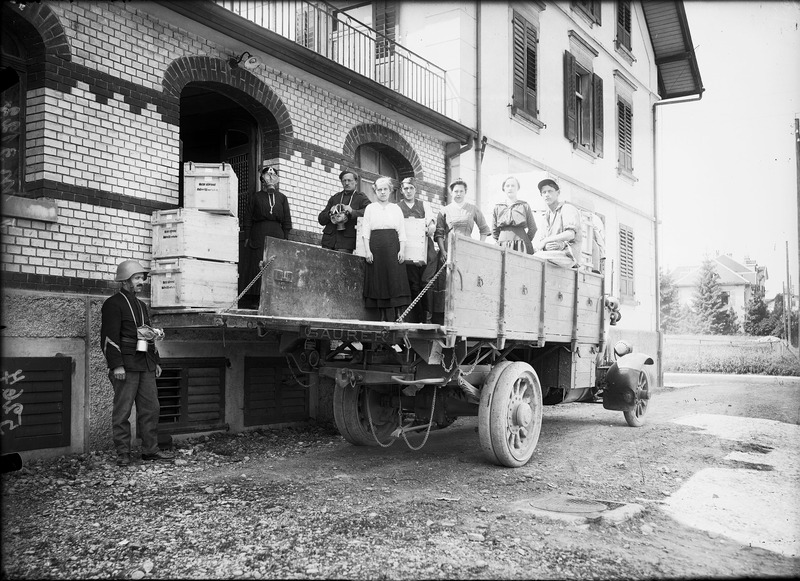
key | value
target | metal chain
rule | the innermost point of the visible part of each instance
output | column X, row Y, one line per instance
column 421, row 294
column 427, row 432
column 252, row 282
column 300, row 383
column 371, row 426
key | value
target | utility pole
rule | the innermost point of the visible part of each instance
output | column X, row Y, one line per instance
column 787, row 301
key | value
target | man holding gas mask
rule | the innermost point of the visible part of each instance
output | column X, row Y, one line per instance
column 128, row 343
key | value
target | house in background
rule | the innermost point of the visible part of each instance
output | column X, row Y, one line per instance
column 108, row 100
column 737, row 280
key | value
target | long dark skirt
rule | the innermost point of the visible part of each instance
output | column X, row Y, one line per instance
column 385, row 280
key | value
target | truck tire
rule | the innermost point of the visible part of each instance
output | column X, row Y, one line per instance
column 484, row 430
column 636, row 416
column 351, row 416
column 511, row 416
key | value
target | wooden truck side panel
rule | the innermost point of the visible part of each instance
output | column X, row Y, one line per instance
column 474, row 289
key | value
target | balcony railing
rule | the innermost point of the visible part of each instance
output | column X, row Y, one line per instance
column 329, row 32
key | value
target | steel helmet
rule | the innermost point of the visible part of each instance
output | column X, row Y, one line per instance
column 127, row 268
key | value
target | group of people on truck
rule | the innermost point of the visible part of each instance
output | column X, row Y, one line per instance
column 391, row 281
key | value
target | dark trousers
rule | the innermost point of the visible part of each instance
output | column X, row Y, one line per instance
column 416, row 283
column 138, row 387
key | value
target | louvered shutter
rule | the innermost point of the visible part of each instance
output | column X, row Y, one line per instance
column 37, row 396
column 271, row 393
column 626, row 261
column 625, row 123
column 530, row 70
column 570, row 106
column 518, row 27
column 624, row 24
column 191, row 394
column 597, row 108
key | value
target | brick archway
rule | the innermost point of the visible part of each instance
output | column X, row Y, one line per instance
column 260, row 101
column 373, row 133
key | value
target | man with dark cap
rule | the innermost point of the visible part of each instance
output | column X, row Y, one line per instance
column 560, row 240
column 340, row 215
column 419, row 274
column 128, row 343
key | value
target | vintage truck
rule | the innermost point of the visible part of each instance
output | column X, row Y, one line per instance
column 518, row 333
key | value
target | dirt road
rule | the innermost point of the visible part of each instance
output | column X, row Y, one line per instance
column 304, row 503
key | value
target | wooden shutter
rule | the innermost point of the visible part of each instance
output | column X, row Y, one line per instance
column 570, row 106
column 271, row 394
column 625, row 129
column 626, row 261
column 524, row 66
column 597, row 110
column 624, row 23
column 37, row 396
column 518, row 31
column 191, row 393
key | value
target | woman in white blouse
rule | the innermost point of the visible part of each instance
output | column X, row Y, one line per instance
column 385, row 280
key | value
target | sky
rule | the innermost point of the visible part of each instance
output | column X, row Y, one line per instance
column 727, row 169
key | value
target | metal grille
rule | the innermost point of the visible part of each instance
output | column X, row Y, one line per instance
column 241, row 167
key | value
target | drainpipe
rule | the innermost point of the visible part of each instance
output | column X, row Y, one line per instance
column 478, row 150
column 656, row 232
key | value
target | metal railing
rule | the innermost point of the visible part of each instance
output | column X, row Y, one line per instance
column 320, row 27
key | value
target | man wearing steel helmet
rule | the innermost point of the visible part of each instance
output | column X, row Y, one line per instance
column 127, row 341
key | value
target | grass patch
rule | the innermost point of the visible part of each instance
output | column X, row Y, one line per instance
column 737, row 355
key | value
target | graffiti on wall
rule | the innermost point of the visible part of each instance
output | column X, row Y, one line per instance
column 11, row 409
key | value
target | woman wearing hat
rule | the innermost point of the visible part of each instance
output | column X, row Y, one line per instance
column 267, row 215
column 512, row 222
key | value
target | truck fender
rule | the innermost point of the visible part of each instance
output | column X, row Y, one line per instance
column 622, row 382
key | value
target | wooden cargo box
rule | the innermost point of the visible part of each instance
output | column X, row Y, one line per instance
column 211, row 187
column 192, row 233
column 306, row 281
column 188, row 282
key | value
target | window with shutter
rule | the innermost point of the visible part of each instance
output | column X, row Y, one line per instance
column 624, row 23
column 271, row 393
column 626, row 262
column 583, row 106
column 590, row 9
column 524, row 65
column 625, row 134
column 191, row 393
column 37, row 396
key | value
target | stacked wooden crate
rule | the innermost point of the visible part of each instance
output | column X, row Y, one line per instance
column 196, row 248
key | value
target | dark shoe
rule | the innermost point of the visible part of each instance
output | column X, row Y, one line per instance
column 124, row 460
column 163, row 456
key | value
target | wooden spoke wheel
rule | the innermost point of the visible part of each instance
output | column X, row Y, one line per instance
column 510, row 414
column 352, row 417
column 636, row 416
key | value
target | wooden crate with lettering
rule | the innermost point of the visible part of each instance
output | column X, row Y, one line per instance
column 189, row 282
column 192, row 233
column 211, row 187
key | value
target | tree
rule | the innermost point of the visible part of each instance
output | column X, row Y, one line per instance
column 712, row 316
column 670, row 307
column 775, row 323
column 757, row 318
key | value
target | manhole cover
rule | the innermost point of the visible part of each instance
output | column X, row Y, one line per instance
column 567, row 504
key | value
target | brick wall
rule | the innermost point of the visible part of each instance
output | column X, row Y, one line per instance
column 103, row 139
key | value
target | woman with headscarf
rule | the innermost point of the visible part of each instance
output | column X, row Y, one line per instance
column 267, row 215
column 513, row 224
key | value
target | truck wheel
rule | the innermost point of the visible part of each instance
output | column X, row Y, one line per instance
column 511, row 416
column 352, row 421
column 484, row 410
column 635, row 417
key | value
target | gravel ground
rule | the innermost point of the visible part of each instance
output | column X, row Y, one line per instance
column 302, row 503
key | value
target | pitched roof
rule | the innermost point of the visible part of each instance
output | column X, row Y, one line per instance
column 688, row 275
